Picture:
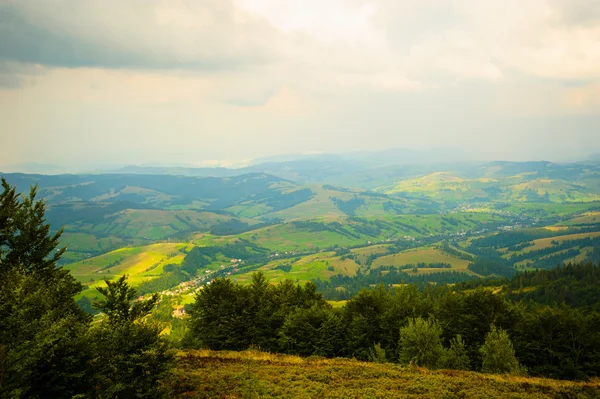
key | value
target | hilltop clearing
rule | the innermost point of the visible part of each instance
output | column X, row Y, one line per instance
column 210, row 374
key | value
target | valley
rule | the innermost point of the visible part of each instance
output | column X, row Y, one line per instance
column 476, row 221
column 292, row 266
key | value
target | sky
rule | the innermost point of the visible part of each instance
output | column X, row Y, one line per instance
column 208, row 82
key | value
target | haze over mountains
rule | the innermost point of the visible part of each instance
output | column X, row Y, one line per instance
column 187, row 183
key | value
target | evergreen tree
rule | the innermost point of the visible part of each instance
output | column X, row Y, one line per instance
column 129, row 356
column 43, row 351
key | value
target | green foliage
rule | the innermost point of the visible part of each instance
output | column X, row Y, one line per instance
column 559, row 342
column 229, row 316
column 421, row 343
column 470, row 316
column 47, row 348
column 576, row 285
column 340, row 287
column 25, row 239
column 498, row 354
column 42, row 353
column 311, row 331
column 455, row 357
column 129, row 357
column 377, row 354
column 118, row 305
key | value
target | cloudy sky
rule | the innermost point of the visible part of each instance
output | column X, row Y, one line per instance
column 193, row 81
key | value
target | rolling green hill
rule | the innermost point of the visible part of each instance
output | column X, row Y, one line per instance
column 529, row 187
column 423, row 221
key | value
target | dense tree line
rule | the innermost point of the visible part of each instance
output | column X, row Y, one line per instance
column 510, row 238
column 341, row 287
column 566, row 246
column 48, row 346
column 350, row 206
column 576, row 285
column 438, row 327
column 485, row 267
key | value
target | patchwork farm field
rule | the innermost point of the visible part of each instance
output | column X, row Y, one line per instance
column 543, row 243
column 139, row 263
column 303, row 269
column 422, row 255
column 251, row 374
column 588, row 218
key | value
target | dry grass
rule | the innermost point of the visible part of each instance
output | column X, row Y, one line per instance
column 252, row 374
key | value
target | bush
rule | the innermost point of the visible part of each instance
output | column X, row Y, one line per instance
column 498, row 353
column 421, row 343
column 455, row 357
column 377, row 354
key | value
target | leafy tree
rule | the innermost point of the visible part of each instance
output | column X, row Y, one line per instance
column 421, row 342
column 301, row 332
column 220, row 317
column 455, row 357
column 130, row 358
column 43, row 352
column 498, row 354
column 470, row 316
column 331, row 337
column 364, row 319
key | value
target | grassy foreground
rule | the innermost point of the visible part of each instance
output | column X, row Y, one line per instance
column 252, row 374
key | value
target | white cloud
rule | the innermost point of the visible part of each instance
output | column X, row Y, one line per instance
column 273, row 76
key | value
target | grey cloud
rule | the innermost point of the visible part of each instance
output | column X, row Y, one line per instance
column 10, row 81
column 114, row 34
column 15, row 75
column 578, row 12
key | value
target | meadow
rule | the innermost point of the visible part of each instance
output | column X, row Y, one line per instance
column 253, row 374
column 140, row 263
column 425, row 255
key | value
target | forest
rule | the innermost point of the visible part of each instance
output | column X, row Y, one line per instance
column 437, row 327
column 541, row 323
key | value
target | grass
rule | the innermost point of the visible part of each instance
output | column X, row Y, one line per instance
column 442, row 186
column 303, row 269
column 251, row 374
column 363, row 253
column 585, row 219
column 549, row 209
column 543, row 243
column 83, row 242
column 520, row 188
column 139, row 263
column 422, row 255
column 148, row 224
column 289, row 237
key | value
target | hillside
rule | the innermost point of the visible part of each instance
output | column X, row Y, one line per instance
column 525, row 187
column 434, row 224
column 251, row 374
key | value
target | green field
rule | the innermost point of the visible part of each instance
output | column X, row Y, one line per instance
column 139, row 263
column 345, row 231
column 524, row 187
column 588, row 218
column 423, row 255
column 303, row 269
